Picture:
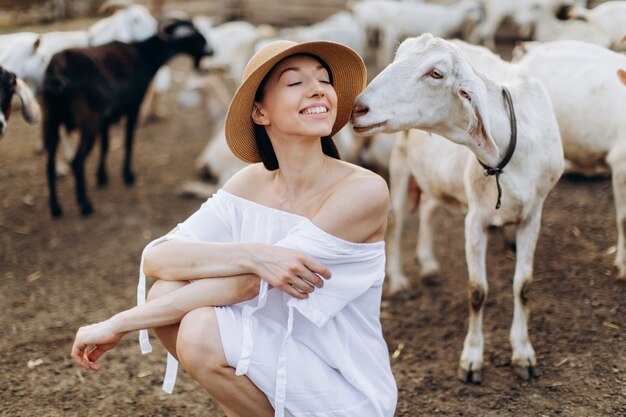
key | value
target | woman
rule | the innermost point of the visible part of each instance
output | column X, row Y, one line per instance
column 287, row 339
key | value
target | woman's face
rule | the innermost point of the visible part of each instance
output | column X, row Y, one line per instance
column 298, row 99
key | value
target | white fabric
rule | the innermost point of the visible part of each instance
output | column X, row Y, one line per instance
column 323, row 356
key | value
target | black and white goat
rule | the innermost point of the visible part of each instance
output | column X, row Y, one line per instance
column 91, row 88
column 10, row 84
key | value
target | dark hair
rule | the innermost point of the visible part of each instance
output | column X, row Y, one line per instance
column 263, row 143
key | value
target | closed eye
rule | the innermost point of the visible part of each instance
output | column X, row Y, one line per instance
column 292, row 84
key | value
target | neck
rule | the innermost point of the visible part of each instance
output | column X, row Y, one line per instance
column 157, row 51
column 301, row 163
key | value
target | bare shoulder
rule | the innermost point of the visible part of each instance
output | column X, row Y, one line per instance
column 245, row 182
column 363, row 187
column 356, row 210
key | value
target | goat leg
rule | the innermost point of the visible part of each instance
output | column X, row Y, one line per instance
column 87, row 141
column 51, row 140
column 104, row 148
column 129, row 177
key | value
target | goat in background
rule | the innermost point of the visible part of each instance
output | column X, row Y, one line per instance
column 11, row 85
column 91, row 88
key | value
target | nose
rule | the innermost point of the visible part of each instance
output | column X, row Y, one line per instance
column 319, row 90
column 360, row 109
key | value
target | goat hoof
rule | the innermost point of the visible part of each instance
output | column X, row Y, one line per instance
column 526, row 372
column 86, row 210
column 470, row 377
column 432, row 280
column 56, row 211
column 102, row 179
column 129, row 178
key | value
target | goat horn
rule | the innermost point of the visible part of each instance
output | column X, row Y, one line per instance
column 111, row 6
column 172, row 17
column 175, row 14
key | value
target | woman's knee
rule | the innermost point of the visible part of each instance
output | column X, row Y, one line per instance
column 161, row 288
column 199, row 344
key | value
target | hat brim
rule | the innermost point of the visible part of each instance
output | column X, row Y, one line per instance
column 349, row 79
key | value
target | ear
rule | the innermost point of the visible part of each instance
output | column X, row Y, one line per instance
column 473, row 96
column 36, row 44
column 30, row 108
column 258, row 115
column 621, row 74
column 110, row 7
column 167, row 26
column 183, row 31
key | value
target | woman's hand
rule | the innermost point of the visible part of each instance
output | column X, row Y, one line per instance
column 93, row 340
column 288, row 270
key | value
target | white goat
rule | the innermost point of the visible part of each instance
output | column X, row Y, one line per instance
column 234, row 44
column 342, row 27
column 128, row 24
column 432, row 85
column 371, row 15
column 611, row 16
column 548, row 28
column 496, row 11
column 412, row 19
column 28, row 54
column 588, row 101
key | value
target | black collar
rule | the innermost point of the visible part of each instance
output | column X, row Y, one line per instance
column 509, row 154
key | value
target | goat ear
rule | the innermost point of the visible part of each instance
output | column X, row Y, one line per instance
column 621, row 74
column 36, row 44
column 110, row 7
column 30, row 108
column 182, row 31
column 478, row 126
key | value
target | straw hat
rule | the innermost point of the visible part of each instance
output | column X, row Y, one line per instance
column 349, row 79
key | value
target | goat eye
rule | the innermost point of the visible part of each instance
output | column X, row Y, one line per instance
column 436, row 74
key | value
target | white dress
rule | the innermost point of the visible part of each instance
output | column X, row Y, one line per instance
column 322, row 356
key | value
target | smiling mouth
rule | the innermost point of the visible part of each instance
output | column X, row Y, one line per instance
column 363, row 129
column 314, row 110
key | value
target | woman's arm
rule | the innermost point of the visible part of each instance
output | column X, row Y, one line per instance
column 286, row 269
column 184, row 260
column 163, row 311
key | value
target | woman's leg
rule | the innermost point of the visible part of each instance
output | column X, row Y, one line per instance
column 166, row 334
column 201, row 354
column 237, row 396
column 225, row 291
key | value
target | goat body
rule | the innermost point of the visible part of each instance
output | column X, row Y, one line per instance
column 412, row 19
column 610, row 16
column 548, row 28
column 434, row 86
column 91, row 88
column 496, row 11
column 589, row 100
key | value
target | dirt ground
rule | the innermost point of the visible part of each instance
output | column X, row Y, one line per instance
column 56, row 275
